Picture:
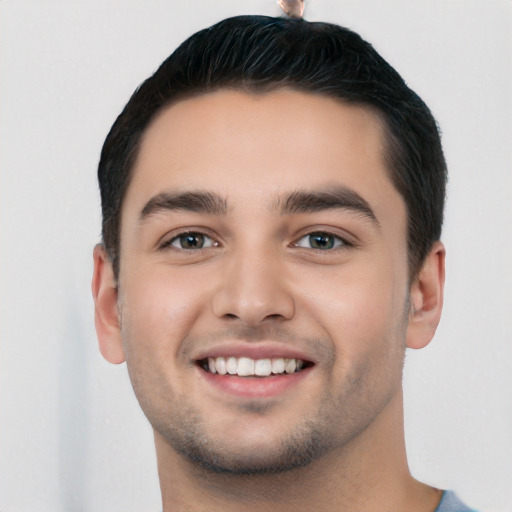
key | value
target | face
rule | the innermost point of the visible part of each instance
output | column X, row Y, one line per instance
column 263, row 290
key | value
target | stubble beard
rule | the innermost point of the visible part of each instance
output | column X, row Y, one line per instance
column 299, row 447
column 339, row 417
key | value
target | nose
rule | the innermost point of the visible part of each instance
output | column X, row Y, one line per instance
column 254, row 289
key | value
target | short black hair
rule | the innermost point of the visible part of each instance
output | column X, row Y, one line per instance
column 259, row 54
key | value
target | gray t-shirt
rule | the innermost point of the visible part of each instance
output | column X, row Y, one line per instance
column 451, row 503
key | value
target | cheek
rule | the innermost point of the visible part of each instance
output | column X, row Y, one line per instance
column 359, row 308
column 158, row 309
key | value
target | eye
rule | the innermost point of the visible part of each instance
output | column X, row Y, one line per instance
column 190, row 241
column 320, row 241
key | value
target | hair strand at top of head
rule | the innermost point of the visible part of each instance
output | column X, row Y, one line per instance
column 292, row 8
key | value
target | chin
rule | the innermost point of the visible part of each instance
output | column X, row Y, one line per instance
column 247, row 455
column 254, row 461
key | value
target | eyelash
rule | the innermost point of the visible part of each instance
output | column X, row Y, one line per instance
column 169, row 243
column 338, row 242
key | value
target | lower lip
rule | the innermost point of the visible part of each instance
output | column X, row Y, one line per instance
column 255, row 387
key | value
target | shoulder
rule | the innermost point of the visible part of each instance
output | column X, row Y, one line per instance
column 451, row 503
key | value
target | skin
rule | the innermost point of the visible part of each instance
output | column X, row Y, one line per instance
column 350, row 309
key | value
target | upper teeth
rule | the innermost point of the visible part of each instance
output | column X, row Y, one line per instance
column 245, row 367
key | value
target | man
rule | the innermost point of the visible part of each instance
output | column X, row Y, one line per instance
column 272, row 205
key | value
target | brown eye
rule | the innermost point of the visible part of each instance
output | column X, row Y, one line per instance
column 191, row 241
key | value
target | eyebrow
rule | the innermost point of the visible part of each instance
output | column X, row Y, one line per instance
column 341, row 198
column 299, row 201
column 201, row 202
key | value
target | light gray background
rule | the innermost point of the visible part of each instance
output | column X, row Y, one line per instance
column 72, row 435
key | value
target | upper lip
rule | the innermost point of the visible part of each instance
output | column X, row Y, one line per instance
column 254, row 350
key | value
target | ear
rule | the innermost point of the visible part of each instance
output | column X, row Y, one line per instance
column 106, row 316
column 426, row 297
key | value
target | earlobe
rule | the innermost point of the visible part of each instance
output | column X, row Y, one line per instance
column 106, row 318
column 426, row 297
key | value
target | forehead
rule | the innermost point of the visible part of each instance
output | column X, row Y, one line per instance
column 250, row 148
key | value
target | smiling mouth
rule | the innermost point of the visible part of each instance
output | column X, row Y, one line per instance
column 247, row 367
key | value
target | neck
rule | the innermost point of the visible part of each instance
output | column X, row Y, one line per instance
column 368, row 473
